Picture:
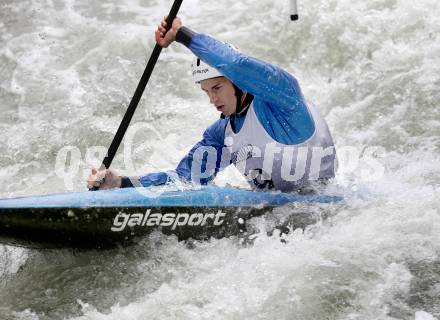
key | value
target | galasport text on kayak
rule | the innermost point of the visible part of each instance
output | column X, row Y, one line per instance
column 173, row 220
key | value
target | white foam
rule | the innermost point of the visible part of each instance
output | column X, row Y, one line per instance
column 69, row 70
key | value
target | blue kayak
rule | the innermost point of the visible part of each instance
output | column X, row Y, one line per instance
column 109, row 218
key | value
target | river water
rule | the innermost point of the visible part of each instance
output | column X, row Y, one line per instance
column 69, row 69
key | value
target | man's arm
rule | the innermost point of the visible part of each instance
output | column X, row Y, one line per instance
column 264, row 80
column 200, row 165
column 204, row 160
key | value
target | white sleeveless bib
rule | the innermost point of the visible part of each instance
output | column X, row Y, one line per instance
column 268, row 164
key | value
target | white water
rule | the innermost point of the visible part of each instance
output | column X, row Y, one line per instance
column 69, row 69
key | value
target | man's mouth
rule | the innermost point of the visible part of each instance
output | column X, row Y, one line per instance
column 219, row 108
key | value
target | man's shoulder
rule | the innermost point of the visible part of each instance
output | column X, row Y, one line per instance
column 217, row 129
column 219, row 125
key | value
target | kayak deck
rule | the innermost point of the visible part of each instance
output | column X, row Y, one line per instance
column 109, row 218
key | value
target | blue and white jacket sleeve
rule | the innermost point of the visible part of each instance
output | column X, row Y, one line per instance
column 199, row 166
column 260, row 78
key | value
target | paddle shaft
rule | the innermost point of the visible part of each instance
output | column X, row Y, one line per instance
column 137, row 94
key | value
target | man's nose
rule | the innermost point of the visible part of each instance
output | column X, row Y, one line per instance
column 212, row 98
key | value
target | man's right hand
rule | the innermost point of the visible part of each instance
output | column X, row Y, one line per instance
column 103, row 179
column 164, row 38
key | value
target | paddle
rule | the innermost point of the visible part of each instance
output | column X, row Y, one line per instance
column 137, row 95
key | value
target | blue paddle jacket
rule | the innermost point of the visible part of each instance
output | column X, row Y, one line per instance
column 278, row 103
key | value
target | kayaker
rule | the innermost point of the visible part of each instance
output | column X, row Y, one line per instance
column 267, row 129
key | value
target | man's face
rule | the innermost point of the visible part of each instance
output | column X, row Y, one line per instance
column 221, row 94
